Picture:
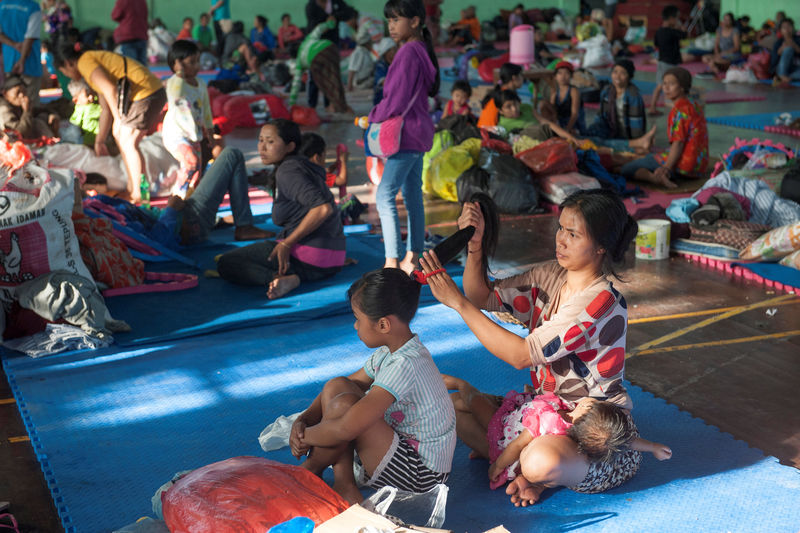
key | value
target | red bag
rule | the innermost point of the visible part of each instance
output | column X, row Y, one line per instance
column 238, row 110
column 497, row 145
column 305, row 116
column 247, row 494
column 554, row 156
column 218, row 104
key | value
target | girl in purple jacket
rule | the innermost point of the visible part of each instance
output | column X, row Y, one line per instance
column 412, row 77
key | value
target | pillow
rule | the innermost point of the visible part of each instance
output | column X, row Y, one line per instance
column 773, row 245
column 792, row 260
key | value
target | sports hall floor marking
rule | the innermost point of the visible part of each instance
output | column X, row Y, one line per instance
column 703, row 323
column 4, row 401
column 697, row 313
column 721, row 342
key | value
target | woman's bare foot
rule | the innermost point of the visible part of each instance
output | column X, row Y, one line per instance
column 251, row 233
column 664, row 181
column 281, row 286
column 644, row 143
column 523, row 493
column 348, row 491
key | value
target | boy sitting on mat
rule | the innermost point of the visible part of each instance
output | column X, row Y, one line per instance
column 395, row 411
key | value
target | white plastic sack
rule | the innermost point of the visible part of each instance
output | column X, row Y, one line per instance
column 740, row 75
column 705, row 41
column 158, row 42
column 598, row 52
column 36, row 232
column 276, row 435
column 78, row 156
column 425, row 509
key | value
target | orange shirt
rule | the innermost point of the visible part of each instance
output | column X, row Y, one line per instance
column 474, row 27
column 489, row 115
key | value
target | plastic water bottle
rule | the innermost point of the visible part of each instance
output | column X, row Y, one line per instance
column 362, row 122
column 144, row 190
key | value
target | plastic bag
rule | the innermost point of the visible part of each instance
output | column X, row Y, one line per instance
column 305, row 116
column 247, row 494
column 442, row 140
column 557, row 187
column 554, row 156
column 473, row 180
column 425, row 509
column 510, row 183
column 449, row 165
column 598, row 52
column 766, row 158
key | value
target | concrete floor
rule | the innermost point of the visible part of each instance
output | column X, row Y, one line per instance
column 714, row 381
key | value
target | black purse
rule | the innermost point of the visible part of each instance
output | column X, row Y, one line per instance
column 124, row 91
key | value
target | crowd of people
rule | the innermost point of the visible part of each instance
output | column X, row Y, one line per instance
column 572, row 426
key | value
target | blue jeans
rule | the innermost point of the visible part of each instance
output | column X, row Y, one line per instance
column 629, row 169
column 135, row 50
column 226, row 175
column 402, row 171
column 786, row 66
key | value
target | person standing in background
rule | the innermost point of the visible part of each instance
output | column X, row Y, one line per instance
column 131, row 34
column 220, row 13
column 20, row 34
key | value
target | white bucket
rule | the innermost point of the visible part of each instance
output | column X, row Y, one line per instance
column 652, row 240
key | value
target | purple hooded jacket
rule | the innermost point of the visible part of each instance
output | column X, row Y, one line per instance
column 411, row 72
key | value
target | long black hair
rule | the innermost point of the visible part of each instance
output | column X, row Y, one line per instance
column 491, row 229
column 507, row 73
column 410, row 9
column 607, row 222
column 67, row 52
column 384, row 292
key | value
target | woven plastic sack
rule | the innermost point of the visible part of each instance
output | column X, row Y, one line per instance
column 247, row 495
column 449, row 165
column 554, row 156
column 777, row 243
column 36, row 231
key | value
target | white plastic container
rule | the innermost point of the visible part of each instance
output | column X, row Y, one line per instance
column 652, row 239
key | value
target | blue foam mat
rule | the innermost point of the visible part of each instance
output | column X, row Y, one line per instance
column 111, row 426
column 757, row 121
column 774, row 272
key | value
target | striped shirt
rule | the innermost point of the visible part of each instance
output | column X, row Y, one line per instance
column 422, row 413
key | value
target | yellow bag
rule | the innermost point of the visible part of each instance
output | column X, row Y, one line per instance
column 446, row 167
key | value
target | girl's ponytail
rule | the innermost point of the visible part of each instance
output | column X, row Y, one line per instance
column 428, row 38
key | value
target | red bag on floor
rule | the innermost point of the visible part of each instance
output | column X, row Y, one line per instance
column 759, row 62
column 497, row 145
column 247, row 494
column 218, row 104
column 305, row 116
column 239, row 109
column 554, row 156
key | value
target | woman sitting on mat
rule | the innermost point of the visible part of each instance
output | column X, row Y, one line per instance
column 394, row 411
column 621, row 116
column 311, row 245
column 727, row 46
column 576, row 345
column 687, row 134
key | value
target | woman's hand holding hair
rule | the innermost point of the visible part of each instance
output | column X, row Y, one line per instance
column 471, row 215
column 442, row 285
column 281, row 253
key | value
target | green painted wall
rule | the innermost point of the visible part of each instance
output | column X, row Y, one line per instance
column 90, row 13
column 761, row 11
